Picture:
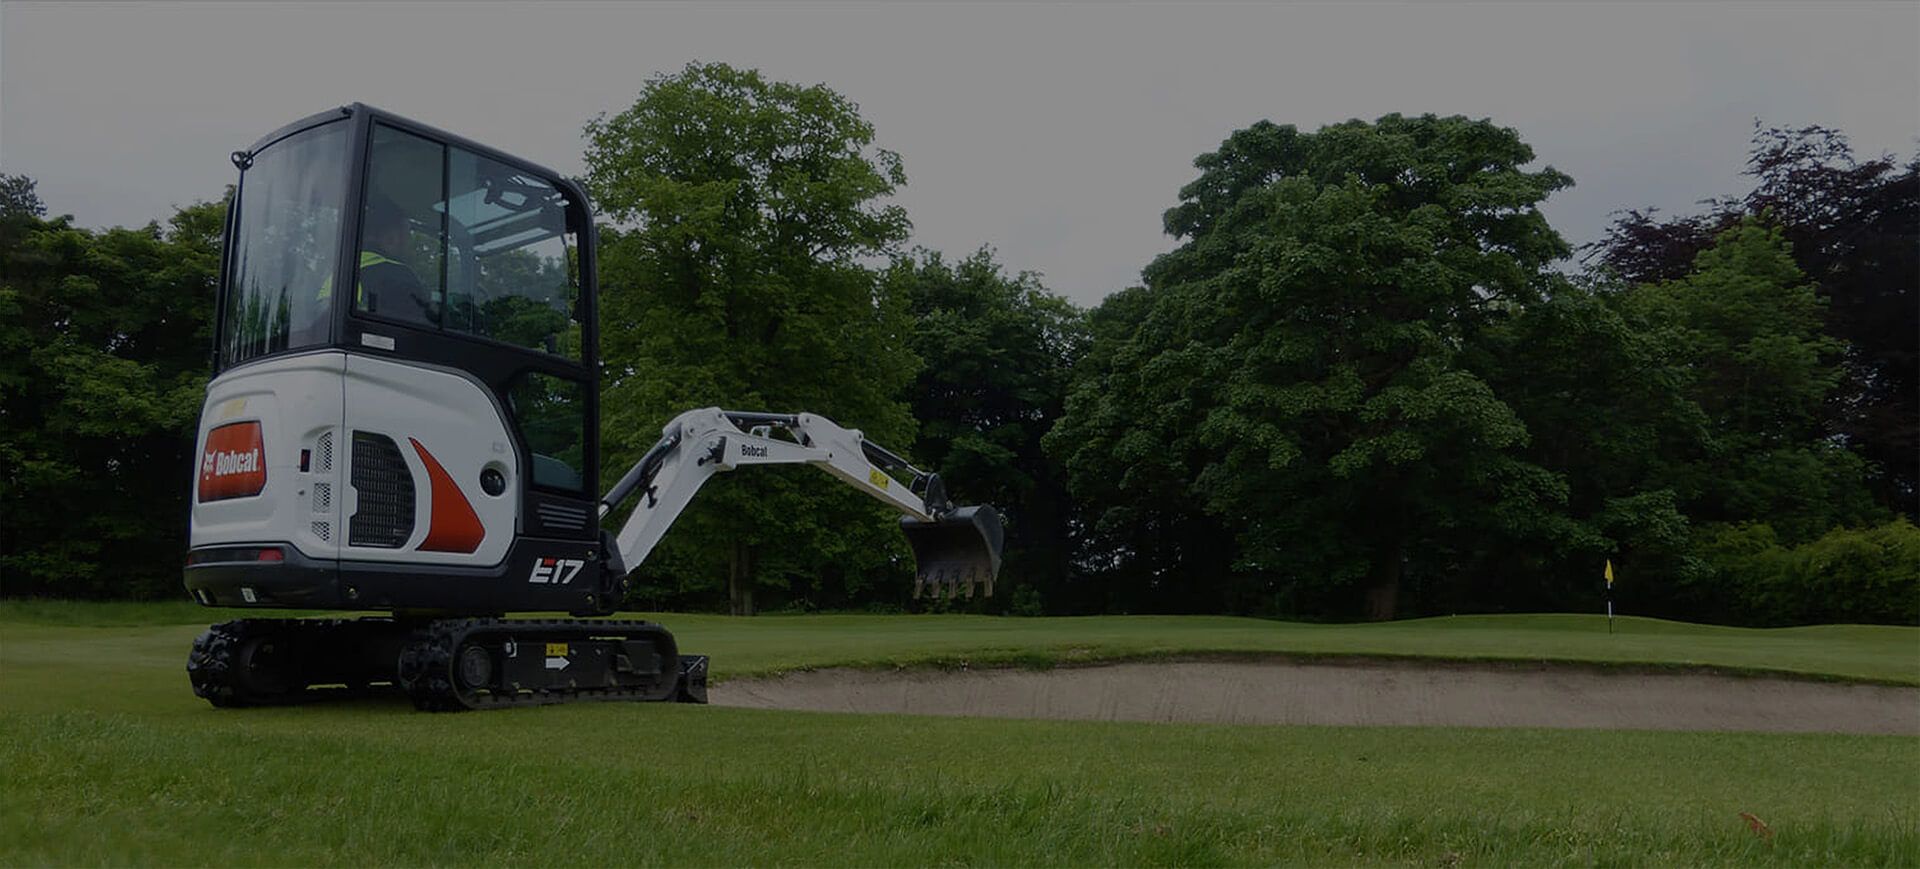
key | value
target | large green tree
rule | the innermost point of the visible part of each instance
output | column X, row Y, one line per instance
column 1298, row 369
column 997, row 353
column 747, row 211
column 104, row 346
column 1606, row 408
column 1142, row 536
column 1746, row 328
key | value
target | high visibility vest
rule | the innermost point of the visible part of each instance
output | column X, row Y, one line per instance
column 367, row 259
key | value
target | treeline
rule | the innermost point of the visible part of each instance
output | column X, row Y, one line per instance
column 105, row 338
column 1370, row 382
column 1361, row 386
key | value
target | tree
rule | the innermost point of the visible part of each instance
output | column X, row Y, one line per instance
column 749, row 208
column 997, row 354
column 1747, row 330
column 104, row 340
column 1298, row 368
column 1606, row 409
column 18, row 197
column 1143, row 538
column 1854, row 228
column 1674, row 411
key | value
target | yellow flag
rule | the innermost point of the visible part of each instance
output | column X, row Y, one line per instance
column 1609, row 573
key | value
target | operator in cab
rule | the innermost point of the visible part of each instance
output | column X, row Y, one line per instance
column 387, row 286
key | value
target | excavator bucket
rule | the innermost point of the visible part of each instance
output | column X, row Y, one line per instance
column 959, row 548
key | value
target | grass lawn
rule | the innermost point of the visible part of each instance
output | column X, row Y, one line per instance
column 770, row 644
column 108, row 758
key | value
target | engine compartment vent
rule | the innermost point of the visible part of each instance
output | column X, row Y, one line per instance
column 561, row 516
column 380, row 477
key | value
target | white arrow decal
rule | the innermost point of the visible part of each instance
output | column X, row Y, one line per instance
column 556, row 663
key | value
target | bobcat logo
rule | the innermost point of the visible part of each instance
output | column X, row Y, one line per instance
column 219, row 463
column 233, row 462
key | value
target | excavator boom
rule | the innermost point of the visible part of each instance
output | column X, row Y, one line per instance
column 954, row 548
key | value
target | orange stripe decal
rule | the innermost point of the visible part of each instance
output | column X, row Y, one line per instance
column 452, row 525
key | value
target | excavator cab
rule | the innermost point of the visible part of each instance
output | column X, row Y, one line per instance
column 405, row 412
column 405, row 418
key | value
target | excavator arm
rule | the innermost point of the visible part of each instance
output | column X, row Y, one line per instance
column 953, row 547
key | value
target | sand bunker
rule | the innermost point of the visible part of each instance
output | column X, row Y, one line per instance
column 1351, row 693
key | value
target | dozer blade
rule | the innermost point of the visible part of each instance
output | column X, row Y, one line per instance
column 960, row 548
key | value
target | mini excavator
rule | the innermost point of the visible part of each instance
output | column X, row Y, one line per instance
column 404, row 420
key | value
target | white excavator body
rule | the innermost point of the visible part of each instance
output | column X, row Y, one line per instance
column 404, row 419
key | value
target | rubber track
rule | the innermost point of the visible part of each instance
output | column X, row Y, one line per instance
column 210, row 665
column 426, row 664
column 214, row 669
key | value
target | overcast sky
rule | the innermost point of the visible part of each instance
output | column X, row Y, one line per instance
column 1056, row 133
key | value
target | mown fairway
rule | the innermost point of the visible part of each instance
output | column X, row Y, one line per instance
column 110, row 759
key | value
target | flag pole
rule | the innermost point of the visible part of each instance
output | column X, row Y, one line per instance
column 1609, row 574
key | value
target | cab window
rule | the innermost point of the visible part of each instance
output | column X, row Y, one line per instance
column 548, row 409
column 402, row 235
column 455, row 241
column 286, row 236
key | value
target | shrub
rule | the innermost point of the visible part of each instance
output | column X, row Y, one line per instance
column 1857, row 575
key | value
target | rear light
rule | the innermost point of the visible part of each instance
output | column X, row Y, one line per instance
column 233, row 554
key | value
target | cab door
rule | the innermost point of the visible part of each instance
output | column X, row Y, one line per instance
column 472, row 379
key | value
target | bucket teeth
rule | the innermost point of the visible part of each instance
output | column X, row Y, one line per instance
column 950, row 582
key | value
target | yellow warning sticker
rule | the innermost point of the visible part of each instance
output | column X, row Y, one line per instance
column 230, row 408
column 878, row 477
column 556, row 650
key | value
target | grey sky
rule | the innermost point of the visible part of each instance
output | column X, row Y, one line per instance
column 1056, row 133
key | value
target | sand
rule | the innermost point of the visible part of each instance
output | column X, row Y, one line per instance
column 1352, row 693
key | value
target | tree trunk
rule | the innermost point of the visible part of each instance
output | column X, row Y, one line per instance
column 739, row 580
column 1383, row 594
